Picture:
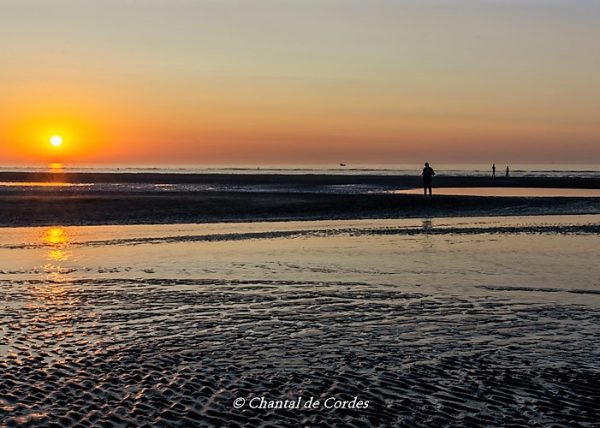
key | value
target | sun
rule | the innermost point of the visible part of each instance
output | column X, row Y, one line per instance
column 56, row 141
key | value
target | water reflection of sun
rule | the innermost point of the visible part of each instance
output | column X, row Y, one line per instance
column 58, row 240
column 56, row 236
column 56, row 168
column 58, row 255
column 53, row 302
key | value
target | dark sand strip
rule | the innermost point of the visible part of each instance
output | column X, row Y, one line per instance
column 90, row 206
column 199, row 207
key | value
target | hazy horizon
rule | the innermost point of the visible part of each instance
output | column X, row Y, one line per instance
column 400, row 167
column 300, row 82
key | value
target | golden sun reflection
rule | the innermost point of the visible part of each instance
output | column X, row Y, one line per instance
column 58, row 239
column 56, row 168
column 53, row 297
column 58, row 255
column 56, row 236
column 34, row 184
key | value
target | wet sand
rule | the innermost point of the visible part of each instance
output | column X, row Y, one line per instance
column 449, row 322
column 261, row 197
column 531, row 192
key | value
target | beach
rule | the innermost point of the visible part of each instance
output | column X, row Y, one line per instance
column 477, row 321
column 230, row 299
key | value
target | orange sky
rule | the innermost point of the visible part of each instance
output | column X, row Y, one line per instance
column 263, row 82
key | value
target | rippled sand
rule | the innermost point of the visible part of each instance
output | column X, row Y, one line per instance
column 465, row 322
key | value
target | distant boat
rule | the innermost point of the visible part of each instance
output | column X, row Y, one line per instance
column 342, row 164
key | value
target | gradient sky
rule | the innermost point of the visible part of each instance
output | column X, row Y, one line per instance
column 300, row 81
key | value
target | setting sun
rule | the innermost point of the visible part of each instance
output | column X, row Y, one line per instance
column 56, row 141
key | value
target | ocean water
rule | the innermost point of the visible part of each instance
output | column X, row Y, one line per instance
column 517, row 170
column 431, row 321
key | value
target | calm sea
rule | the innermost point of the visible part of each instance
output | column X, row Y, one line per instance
column 517, row 170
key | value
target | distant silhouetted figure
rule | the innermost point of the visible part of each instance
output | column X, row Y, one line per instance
column 507, row 171
column 427, row 174
column 493, row 170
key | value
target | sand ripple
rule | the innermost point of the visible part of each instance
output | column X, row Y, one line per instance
column 177, row 353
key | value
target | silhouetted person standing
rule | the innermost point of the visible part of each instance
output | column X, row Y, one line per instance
column 427, row 174
column 493, row 170
column 507, row 171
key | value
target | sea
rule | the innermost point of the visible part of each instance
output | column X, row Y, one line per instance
column 478, row 170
